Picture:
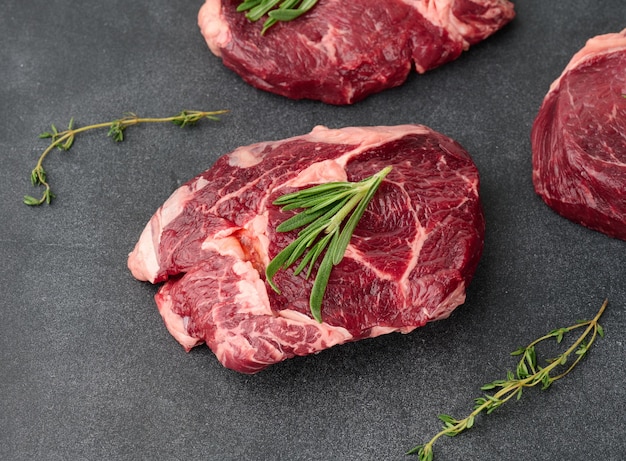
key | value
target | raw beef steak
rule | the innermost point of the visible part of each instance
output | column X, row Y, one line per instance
column 409, row 261
column 340, row 52
column 579, row 138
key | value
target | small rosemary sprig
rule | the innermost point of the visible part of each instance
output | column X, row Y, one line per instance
column 276, row 10
column 325, row 207
column 65, row 139
column 528, row 374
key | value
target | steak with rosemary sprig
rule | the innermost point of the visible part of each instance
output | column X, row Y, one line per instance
column 341, row 51
column 409, row 261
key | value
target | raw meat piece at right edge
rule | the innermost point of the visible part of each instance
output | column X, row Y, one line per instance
column 579, row 138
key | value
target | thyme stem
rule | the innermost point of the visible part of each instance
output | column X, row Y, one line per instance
column 529, row 374
column 65, row 139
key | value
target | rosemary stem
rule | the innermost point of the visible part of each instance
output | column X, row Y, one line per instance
column 336, row 220
column 325, row 207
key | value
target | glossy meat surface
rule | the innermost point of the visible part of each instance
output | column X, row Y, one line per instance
column 409, row 262
column 340, row 52
column 579, row 138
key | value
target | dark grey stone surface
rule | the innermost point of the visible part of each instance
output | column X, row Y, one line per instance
column 87, row 369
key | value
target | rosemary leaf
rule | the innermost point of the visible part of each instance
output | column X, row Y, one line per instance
column 261, row 9
column 319, row 286
column 308, row 216
column 277, row 263
column 274, row 10
column 325, row 207
column 346, row 233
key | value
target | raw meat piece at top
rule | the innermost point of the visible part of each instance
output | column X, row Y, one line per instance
column 579, row 138
column 341, row 52
column 409, row 261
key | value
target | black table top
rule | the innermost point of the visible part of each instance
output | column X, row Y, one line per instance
column 87, row 369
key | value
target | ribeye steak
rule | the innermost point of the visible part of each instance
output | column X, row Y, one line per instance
column 579, row 138
column 410, row 259
column 340, row 52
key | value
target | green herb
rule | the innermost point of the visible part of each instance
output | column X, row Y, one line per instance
column 65, row 139
column 325, row 207
column 528, row 374
column 276, row 10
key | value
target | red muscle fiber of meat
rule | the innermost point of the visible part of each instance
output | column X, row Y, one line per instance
column 409, row 262
column 579, row 138
column 341, row 52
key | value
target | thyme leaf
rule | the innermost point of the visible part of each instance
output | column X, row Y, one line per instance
column 275, row 10
column 528, row 374
column 325, row 208
column 64, row 140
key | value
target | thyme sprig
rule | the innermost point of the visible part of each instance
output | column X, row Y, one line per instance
column 325, row 207
column 528, row 374
column 276, row 10
column 64, row 140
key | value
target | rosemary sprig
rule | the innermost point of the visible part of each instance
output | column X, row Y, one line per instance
column 325, row 207
column 528, row 374
column 65, row 139
column 276, row 10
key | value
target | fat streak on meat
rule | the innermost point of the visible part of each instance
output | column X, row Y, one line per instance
column 340, row 52
column 579, row 138
column 409, row 262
